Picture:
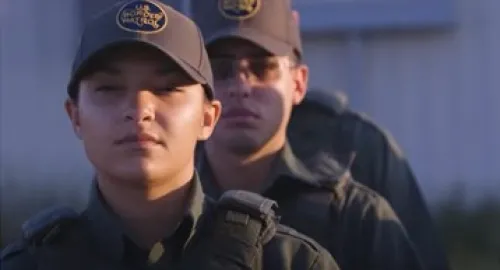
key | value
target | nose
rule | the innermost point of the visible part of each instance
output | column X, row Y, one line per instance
column 141, row 107
column 240, row 86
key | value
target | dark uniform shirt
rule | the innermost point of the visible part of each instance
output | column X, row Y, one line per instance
column 99, row 241
column 379, row 164
column 111, row 239
column 355, row 224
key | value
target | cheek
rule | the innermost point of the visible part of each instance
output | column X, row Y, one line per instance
column 276, row 105
column 97, row 134
column 272, row 99
column 181, row 121
column 95, row 123
column 182, row 128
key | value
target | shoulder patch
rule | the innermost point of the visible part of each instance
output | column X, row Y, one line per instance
column 45, row 224
column 241, row 204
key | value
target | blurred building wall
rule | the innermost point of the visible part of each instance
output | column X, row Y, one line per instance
column 41, row 161
column 435, row 90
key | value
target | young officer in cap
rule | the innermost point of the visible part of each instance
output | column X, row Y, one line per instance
column 140, row 97
column 255, row 50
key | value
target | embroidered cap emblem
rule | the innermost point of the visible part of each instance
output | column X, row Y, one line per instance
column 142, row 17
column 239, row 9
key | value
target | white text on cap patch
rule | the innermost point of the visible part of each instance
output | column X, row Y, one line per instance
column 142, row 17
column 239, row 9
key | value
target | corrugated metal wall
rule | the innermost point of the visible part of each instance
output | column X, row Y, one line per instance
column 437, row 92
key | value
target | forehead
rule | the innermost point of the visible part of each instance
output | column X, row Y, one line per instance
column 235, row 47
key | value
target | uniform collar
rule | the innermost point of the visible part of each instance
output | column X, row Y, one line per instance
column 109, row 233
column 286, row 165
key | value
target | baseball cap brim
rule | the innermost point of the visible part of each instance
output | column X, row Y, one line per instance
column 268, row 43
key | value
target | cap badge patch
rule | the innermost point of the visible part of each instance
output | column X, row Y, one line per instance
column 141, row 17
column 239, row 9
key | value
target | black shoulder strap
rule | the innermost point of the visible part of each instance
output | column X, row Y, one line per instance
column 46, row 225
column 38, row 231
column 233, row 235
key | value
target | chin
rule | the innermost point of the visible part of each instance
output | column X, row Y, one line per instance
column 140, row 171
column 136, row 178
column 134, row 173
column 242, row 145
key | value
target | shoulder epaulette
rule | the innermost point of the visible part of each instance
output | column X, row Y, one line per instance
column 47, row 224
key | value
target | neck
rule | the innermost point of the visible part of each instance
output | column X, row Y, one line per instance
column 244, row 172
column 148, row 213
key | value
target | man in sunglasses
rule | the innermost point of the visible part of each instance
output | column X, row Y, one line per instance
column 255, row 51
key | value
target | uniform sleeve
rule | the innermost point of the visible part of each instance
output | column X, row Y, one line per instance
column 324, row 261
column 381, row 165
column 388, row 244
column 291, row 250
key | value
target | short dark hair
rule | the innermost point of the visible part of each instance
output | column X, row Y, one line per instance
column 295, row 59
